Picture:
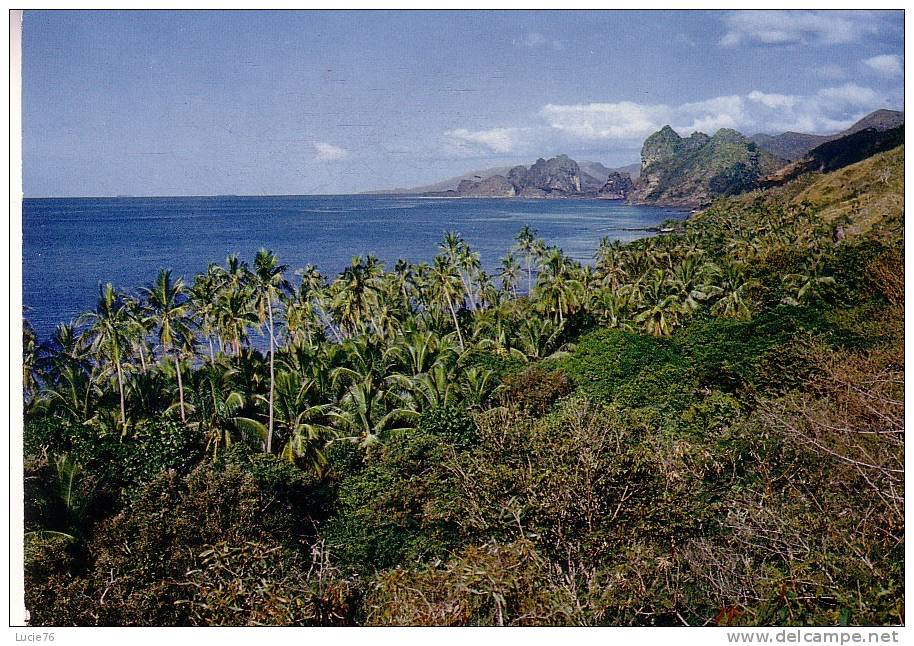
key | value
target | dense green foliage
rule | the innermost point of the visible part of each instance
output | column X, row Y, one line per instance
column 704, row 427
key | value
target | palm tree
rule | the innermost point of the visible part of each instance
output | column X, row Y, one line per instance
column 418, row 351
column 71, row 493
column 204, row 295
column 369, row 410
column 469, row 262
column 300, row 422
column 610, row 262
column 355, row 291
column 301, row 324
column 214, row 404
column 110, row 327
column 486, row 292
column 509, row 274
column 234, row 315
column 479, row 385
column 660, row 310
column 733, row 289
column 453, row 247
column 308, row 311
column 140, row 329
column 808, row 285
column 235, row 274
column 538, row 337
column 556, row 286
column 526, row 244
column 445, row 284
column 692, row 279
column 269, row 285
column 69, row 376
column 169, row 308
column 610, row 307
column 403, row 279
column 435, row 388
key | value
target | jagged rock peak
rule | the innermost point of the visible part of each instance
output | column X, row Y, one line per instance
column 661, row 145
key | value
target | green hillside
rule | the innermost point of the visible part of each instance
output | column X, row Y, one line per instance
column 695, row 170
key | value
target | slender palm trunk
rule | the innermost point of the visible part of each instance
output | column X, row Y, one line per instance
column 87, row 394
column 180, row 387
column 272, row 343
column 120, row 387
column 467, row 289
column 405, row 297
column 456, row 324
column 333, row 328
column 142, row 356
column 529, row 276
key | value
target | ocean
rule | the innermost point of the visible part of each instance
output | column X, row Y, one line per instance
column 71, row 245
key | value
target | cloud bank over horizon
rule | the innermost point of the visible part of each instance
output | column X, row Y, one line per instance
column 828, row 110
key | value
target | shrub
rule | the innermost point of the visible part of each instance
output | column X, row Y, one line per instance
column 451, row 423
column 390, row 511
column 257, row 583
column 488, row 585
column 149, row 565
column 535, row 390
column 604, row 359
column 156, row 446
column 500, row 364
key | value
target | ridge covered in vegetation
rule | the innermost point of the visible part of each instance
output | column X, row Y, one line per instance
column 703, row 427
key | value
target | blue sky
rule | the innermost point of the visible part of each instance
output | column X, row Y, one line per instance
column 197, row 103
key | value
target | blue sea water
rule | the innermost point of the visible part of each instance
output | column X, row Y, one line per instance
column 71, row 245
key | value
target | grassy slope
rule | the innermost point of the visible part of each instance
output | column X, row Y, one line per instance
column 867, row 194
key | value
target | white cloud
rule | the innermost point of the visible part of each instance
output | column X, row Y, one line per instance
column 798, row 27
column 773, row 100
column 497, row 140
column 849, row 95
column 885, row 64
column 624, row 120
column 711, row 115
column 329, row 152
column 629, row 120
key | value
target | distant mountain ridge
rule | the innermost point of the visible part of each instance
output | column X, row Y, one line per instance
column 595, row 170
column 791, row 146
column 556, row 177
column 559, row 176
column 838, row 153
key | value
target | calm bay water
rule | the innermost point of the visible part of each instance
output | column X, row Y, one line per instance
column 72, row 245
